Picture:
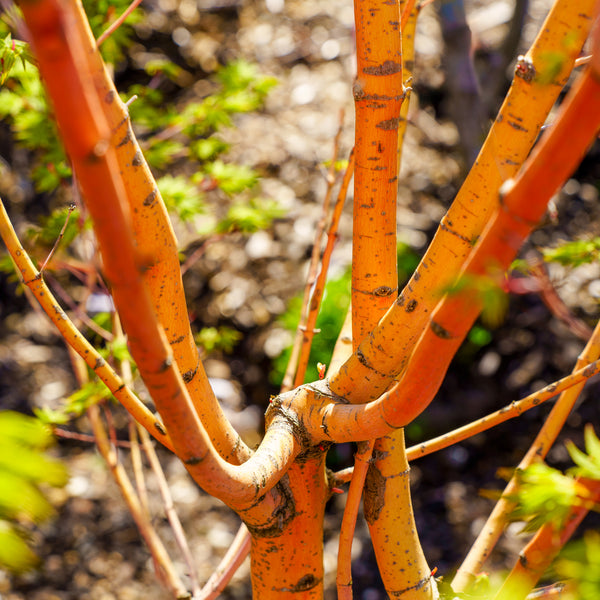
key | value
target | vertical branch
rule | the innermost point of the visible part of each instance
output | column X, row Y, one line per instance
column 344, row 570
column 378, row 95
column 387, row 501
column 290, row 564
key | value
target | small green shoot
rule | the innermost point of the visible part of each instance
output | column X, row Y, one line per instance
column 544, row 495
column 575, row 253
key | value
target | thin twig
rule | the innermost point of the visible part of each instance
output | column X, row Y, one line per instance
column 83, row 437
column 234, row 557
column 314, row 304
column 112, row 28
column 170, row 511
column 72, row 207
column 79, row 312
column 344, row 565
column 31, row 279
column 295, row 364
column 138, row 468
column 160, row 555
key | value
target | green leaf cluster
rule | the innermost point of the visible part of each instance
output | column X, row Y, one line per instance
column 23, row 105
column 24, row 470
column 250, row 216
column 175, row 139
column 587, row 463
column 93, row 391
column 188, row 138
column 12, row 51
column 181, row 196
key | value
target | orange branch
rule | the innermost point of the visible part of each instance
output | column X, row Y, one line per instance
column 384, row 355
column 344, row 570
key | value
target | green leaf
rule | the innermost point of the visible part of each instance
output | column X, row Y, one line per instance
column 588, row 465
column 162, row 153
column 164, row 66
column 241, row 75
column 592, row 443
column 76, row 404
column 237, row 75
column 480, row 336
column 31, row 465
column 49, row 416
column 10, row 103
column 207, row 149
column 15, row 554
column 19, row 499
column 218, row 338
column 579, row 562
column 21, row 429
column 12, row 51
